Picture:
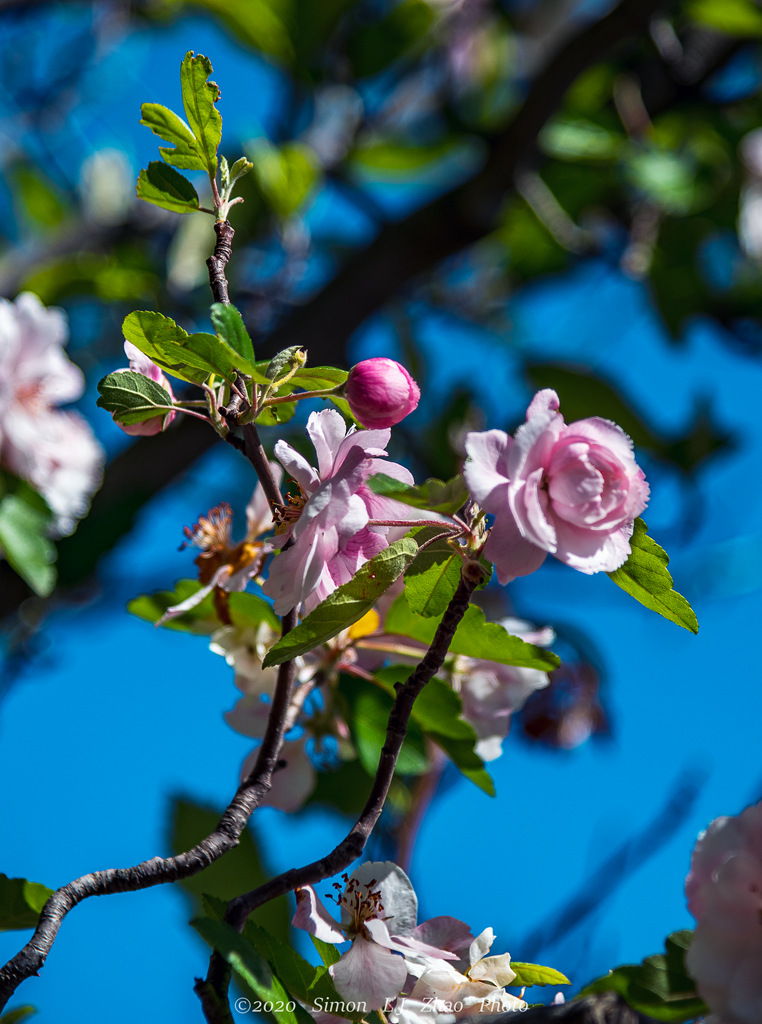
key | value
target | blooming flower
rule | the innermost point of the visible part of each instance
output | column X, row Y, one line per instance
column 381, row 392
column 378, row 913
column 140, row 363
column 55, row 451
column 491, row 692
column 573, row 490
column 724, row 890
column 329, row 522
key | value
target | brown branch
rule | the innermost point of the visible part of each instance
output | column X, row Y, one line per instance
column 217, row 262
column 160, row 870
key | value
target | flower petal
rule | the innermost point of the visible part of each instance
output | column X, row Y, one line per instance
column 369, row 973
column 312, row 916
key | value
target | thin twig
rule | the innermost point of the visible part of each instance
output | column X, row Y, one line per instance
column 218, row 260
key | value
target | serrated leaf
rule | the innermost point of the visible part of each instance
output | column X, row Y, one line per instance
column 347, row 604
column 21, row 902
column 245, row 610
column 199, row 98
column 659, row 987
column 132, row 397
column 433, row 578
column 437, row 710
column 191, row 357
column 24, row 523
column 168, row 126
column 535, row 974
column 165, row 187
column 474, row 637
column 433, row 495
column 645, row 577
column 251, row 967
column 229, row 325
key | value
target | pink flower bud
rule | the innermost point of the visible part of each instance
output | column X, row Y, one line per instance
column 380, row 392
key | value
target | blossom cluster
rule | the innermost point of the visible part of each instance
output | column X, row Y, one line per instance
column 436, row 971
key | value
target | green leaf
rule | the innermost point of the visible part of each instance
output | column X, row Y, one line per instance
column 286, row 176
column 734, row 17
column 132, row 398
column 347, row 604
column 375, row 46
column 578, row 139
column 318, row 378
column 535, row 974
column 253, row 969
column 344, row 789
column 168, row 126
column 645, row 577
column 199, row 98
column 328, row 954
column 433, row 495
column 17, row 1014
column 433, row 578
column 241, row 869
column 240, row 167
column 165, row 187
column 285, row 363
column 437, row 710
column 660, row 986
column 25, row 520
column 21, row 902
column 474, row 637
column 245, row 609
column 368, row 713
column 229, row 325
column 191, row 357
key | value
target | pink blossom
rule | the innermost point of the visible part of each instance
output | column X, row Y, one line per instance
column 331, row 533
column 724, row 890
column 294, row 780
column 381, row 392
column 140, row 363
column 572, row 490
column 54, row 450
column 372, row 970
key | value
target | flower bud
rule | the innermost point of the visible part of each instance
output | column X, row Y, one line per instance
column 380, row 392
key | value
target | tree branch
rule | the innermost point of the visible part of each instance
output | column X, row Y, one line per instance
column 217, row 262
column 160, row 870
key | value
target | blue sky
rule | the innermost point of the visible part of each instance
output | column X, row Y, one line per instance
column 116, row 717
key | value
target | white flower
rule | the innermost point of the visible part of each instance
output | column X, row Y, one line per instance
column 491, row 692
column 378, row 913
column 55, row 451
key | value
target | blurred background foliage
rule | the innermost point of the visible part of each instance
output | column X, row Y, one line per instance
column 420, row 167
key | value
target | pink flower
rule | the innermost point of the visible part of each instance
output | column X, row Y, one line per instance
column 331, row 534
column 55, row 451
column 724, row 890
column 140, row 363
column 572, row 490
column 381, row 392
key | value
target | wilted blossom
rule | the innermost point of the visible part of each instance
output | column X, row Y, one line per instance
column 224, row 565
column 330, row 532
column 491, row 692
column 573, row 490
column 379, row 909
column 140, row 363
column 724, row 890
column 55, row 451
column 381, row 392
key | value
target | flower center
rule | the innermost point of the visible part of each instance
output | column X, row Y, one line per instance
column 359, row 902
column 212, row 532
column 283, row 515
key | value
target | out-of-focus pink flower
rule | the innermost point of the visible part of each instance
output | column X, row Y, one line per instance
column 724, row 890
column 370, row 972
column 293, row 782
column 330, row 532
column 140, row 363
column 55, row 451
column 381, row 392
column 573, row 490
column 491, row 692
